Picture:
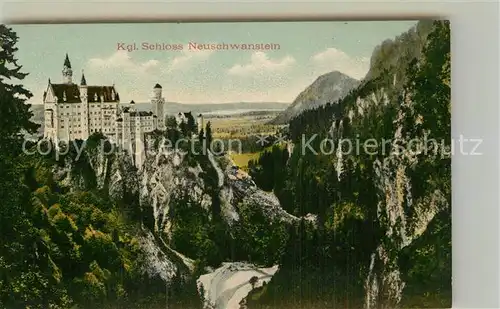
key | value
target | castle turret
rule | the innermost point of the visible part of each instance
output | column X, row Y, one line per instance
column 85, row 107
column 139, row 141
column 158, row 106
column 83, row 88
column 67, row 71
column 126, row 128
column 157, row 91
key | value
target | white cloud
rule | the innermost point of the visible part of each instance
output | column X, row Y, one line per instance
column 187, row 58
column 260, row 63
column 333, row 59
column 123, row 60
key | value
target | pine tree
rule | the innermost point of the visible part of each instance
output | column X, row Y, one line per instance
column 191, row 123
column 171, row 122
column 208, row 134
column 14, row 112
column 201, row 135
column 24, row 283
column 14, row 118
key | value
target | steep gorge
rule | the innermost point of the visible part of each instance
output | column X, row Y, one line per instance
column 193, row 212
column 382, row 193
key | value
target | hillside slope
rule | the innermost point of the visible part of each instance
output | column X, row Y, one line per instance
column 329, row 87
column 384, row 238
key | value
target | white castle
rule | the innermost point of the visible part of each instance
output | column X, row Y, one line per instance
column 74, row 112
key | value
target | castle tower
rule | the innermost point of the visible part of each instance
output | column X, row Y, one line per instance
column 55, row 132
column 67, row 71
column 158, row 106
column 126, row 131
column 139, row 142
column 85, row 107
column 101, row 108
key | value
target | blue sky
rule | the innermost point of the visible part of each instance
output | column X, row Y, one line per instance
column 307, row 50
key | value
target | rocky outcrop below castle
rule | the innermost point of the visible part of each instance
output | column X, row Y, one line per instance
column 168, row 181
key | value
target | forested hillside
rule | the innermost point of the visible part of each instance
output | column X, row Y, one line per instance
column 383, row 237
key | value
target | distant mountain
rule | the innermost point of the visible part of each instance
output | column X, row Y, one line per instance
column 329, row 87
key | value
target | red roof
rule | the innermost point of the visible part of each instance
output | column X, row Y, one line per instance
column 72, row 92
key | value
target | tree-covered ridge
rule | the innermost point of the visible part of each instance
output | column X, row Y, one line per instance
column 81, row 246
column 83, row 241
column 404, row 99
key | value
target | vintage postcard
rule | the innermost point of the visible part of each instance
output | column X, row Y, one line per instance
column 226, row 165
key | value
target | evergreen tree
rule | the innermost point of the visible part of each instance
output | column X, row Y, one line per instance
column 24, row 281
column 201, row 135
column 14, row 112
column 183, row 126
column 191, row 123
column 171, row 122
column 208, row 134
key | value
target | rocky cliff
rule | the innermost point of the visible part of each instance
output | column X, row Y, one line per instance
column 376, row 168
column 171, row 189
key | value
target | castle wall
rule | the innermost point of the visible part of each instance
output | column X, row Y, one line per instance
column 70, row 121
column 79, row 120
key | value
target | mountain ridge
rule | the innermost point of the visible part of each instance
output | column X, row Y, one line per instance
column 329, row 87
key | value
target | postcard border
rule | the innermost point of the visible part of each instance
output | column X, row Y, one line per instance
column 475, row 97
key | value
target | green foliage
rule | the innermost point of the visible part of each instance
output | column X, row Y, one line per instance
column 171, row 122
column 342, row 191
column 267, row 170
column 82, row 250
column 261, row 240
column 14, row 112
column 191, row 231
column 21, row 280
column 208, row 133
column 426, row 267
